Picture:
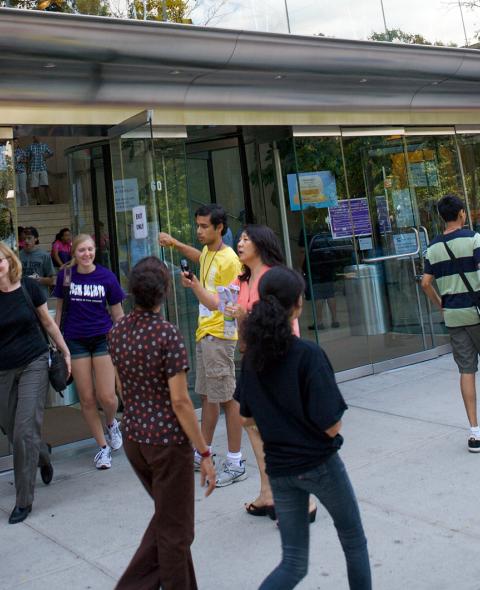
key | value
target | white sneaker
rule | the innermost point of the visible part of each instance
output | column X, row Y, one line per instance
column 103, row 459
column 231, row 473
column 114, row 436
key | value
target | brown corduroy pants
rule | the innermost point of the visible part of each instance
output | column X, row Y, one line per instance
column 163, row 559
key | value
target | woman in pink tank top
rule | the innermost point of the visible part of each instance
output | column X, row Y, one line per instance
column 258, row 250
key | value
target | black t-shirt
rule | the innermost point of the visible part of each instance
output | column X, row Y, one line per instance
column 21, row 340
column 293, row 402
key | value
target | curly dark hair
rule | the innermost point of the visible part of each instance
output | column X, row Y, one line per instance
column 149, row 282
column 267, row 245
column 267, row 330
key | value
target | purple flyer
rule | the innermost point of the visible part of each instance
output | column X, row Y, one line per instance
column 349, row 218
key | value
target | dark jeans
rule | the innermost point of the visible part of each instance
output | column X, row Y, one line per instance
column 330, row 483
column 23, row 392
column 163, row 559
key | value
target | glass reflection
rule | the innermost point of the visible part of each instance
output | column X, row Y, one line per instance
column 325, row 250
column 415, row 18
column 389, row 257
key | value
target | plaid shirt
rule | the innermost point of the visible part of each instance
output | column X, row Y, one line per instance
column 21, row 158
column 36, row 153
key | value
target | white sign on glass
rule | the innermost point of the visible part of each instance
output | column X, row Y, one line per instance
column 126, row 194
column 140, row 227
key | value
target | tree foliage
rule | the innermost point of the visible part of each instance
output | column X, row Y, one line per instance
column 400, row 36
column 175, row 11
column 93, row 7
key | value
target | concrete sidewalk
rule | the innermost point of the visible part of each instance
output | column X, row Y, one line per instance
column 405, row 449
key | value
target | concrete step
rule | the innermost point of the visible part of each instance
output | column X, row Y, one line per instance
column 48, row 219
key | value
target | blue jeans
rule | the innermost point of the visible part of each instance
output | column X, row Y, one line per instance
column 330, row 483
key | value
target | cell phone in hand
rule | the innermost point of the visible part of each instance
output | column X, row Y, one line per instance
column 185, row 268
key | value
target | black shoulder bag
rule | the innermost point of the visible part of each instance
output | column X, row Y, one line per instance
column 474, row 295
column 57, row 367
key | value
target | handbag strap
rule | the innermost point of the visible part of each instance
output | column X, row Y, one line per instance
column 32, row 307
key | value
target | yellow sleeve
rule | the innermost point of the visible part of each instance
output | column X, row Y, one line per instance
column 229, row 270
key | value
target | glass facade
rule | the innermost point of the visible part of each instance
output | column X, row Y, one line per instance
column 381, row 20
column 354, row 209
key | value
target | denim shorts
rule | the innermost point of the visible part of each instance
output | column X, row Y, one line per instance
column 85, row 347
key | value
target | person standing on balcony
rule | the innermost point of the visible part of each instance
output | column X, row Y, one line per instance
column 38, row 154
column 21, row 159
column 215, row 377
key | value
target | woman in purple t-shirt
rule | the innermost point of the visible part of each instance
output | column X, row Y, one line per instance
column 89, row 288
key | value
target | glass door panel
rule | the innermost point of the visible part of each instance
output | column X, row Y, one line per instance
column 89, row 176
column 214, row 175
column 176, row 215
column 134, row 181
column 385, row 222
column 8, row 233
column 227, row 175
column 434, row 171
column 327, row 255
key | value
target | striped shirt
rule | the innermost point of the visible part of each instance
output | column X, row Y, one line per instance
column 37, row 152
column 456, row 300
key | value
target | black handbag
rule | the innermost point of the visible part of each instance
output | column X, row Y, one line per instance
column 57, row 367
column 474, row 295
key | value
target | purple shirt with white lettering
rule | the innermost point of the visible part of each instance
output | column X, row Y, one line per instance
column 87, row 314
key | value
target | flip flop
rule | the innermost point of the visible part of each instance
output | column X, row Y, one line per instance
column 260, row 510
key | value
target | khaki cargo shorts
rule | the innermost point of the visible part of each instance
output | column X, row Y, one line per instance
column 215, row 376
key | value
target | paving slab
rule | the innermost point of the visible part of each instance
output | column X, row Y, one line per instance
column 405, row 449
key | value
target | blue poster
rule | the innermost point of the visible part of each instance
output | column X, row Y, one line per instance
column 318, row 189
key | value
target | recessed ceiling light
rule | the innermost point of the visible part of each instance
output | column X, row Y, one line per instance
column 435, row 83
column 50, row 65
column 175, row 72
column 363, row 80
column 279, row 77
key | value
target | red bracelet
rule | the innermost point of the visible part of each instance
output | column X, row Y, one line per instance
column 206, row 454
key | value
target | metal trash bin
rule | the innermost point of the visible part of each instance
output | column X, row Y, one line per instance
column 365, row 300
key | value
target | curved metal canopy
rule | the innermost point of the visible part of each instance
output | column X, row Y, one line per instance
column 73, row 59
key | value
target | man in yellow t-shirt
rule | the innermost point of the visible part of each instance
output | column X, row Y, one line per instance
column 215, row 348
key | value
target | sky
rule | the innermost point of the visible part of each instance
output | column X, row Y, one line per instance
column 436, row 20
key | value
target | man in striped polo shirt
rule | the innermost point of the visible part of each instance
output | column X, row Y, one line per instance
column 460, row 314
